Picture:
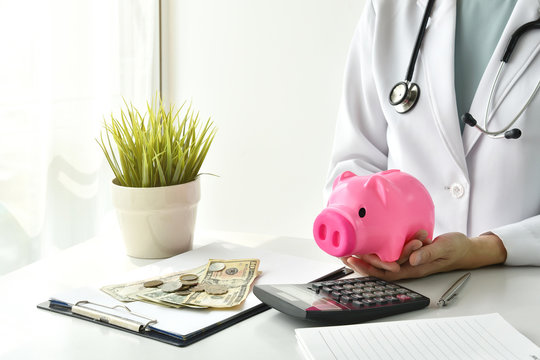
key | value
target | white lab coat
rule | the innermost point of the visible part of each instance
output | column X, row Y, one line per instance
column 478, row 184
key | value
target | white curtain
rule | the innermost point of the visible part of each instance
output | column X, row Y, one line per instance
column 65, row 66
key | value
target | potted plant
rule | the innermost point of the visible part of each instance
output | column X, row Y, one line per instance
column 156, row 158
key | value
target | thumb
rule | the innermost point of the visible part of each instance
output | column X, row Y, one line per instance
column 426, row 254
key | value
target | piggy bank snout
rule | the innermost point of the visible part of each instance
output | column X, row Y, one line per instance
column 334, row 233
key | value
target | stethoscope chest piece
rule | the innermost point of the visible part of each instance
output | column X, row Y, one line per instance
column 404, row 96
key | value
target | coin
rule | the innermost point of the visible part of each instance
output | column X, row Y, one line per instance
column 152, row 283
column 171, row 286
column 189, row 277
column 216, row 266
column 231, row 271
column 189, row 283
column 183, row 292
column 216, row 289
column 198, row 288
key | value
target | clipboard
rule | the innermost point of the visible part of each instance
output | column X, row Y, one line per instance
column 182, row 327
column 145, row 329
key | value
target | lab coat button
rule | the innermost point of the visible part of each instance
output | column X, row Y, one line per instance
column 457, row 190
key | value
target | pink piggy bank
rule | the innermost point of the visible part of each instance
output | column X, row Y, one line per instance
column 375, row 214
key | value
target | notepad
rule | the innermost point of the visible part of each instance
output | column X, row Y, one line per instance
column 469, row 337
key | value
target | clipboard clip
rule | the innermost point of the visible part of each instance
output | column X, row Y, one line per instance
column 105, row 317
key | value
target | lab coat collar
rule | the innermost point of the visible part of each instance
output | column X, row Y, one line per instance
column 523, row 55
column 437, row 57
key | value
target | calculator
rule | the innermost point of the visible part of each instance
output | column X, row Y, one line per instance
column 343, row 301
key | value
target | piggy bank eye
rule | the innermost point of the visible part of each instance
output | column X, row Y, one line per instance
column 362, row 212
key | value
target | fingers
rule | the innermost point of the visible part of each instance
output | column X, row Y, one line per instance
column 375, row 261
column 408, row 249
column 364, row 268
column 429, row 253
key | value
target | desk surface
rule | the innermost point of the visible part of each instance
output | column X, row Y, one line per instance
column 30, row 333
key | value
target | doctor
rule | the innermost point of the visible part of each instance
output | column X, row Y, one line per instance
column 485, row 186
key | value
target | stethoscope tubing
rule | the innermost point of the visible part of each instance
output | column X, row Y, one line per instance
column 499, row 133
column 419, row 40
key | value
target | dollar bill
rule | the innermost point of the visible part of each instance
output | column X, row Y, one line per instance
column 160, row 297
column 233, row 277
column 237, row 276
column 128, row 292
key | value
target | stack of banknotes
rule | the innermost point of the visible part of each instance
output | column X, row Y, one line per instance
column 217, row 284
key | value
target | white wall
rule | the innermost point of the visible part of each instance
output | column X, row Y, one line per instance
column 269, row 73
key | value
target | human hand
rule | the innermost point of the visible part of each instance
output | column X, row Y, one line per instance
column 363, row 263
column 450, row 251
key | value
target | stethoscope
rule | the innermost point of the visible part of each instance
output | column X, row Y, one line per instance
column 404, row 95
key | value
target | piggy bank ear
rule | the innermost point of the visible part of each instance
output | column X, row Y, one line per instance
column 379, row 185
column 340, row 178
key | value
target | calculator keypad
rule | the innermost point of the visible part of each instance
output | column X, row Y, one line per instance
column 363, row 292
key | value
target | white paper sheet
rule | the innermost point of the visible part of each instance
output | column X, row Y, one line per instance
column 276, row 268
column 469, row 337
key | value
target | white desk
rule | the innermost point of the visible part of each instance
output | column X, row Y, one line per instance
column 30, row 333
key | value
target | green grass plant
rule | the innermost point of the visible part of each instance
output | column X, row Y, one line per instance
column 163, row 147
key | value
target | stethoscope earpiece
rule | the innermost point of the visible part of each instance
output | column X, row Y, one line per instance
column 404, row 96
column 468, row 119
column 514, row 133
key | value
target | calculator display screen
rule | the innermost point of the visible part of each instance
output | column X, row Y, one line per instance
column 304, row 298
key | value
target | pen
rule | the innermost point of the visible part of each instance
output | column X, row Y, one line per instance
column 451, row 293
column 339, row 273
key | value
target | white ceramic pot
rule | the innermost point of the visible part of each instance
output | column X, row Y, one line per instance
column 157, row 222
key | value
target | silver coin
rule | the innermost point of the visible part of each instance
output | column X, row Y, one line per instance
column 216, row 289
column 171, row 286
column 183, row 292
column 198, row 288
column 231, row 271
column 216, row 266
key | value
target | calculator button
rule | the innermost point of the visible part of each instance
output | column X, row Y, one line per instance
column 401, row 291
column 316, row 286
column 414, row 295
column 369, row 288
column 403, row 297
column 380, row 300
column 335, row 295
column 371, row 283
column 348, row 286
column 345, row 299
column 347, row 292
column 357, row 290
column 391, row 299
column 358, row 303
column 368, row 295
column 327, row 283
column 337, row 287
column 392, row 286
column 379, row 287
column 357, row 297
column 326, row 290
column 369, row 302
column 378, row 293
column 390, row 292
